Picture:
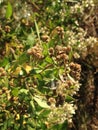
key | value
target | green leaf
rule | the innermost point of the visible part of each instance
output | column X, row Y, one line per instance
column 4, row 62
column 37, row 30
column 30, row 39
column 24, row 91
column 45, row 49
column 48, row 59
column 69, row 98
column 36, row 70
column 42, row 103
column 32, row 104
column 30, row 128
column 6, row 83
column 8, row 11
column 15, row 92
column 23, row 58
column 48, row 73
column 5, row 125
column 63, row 126
column 45, row 113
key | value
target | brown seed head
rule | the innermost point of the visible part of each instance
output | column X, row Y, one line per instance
column 7, row 29
column 36, row 51
column 45, row 38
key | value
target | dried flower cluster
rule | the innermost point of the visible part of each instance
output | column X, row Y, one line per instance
column 2, row 72
column 79, row 7
column 45, row 38
column 80, row 41
column 36, row 52
column 67, row 85
column 61, row 114
column 75, row 70
column 61, row 53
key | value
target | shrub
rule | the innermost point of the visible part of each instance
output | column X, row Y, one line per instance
column 38, row 74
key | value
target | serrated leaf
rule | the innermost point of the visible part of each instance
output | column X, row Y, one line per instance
column 8, row 11
column 42, row 103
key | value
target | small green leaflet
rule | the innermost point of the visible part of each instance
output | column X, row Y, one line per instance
column 15, row 92
column 42, row 103
column 31, row 39
column 32, row 104
column 37, row 30
column 69, row 98
column 9, row 11
column 25, row 91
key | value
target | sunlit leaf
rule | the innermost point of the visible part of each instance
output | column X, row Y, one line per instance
column 6, row 82
column 30, row 128
column 36, row 70
column 32, row 104
column 44, row 112
column 7, row 48
column 17, row 71
column 42, row 103
column 8, row 11
column 23, row 91
column 49, row 60
column 27, row 68
column 15, row 92
column 45, row 49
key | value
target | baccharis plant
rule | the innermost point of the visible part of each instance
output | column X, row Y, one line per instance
column 39, row 44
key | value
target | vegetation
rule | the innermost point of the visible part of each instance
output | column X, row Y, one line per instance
column 42, row 44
